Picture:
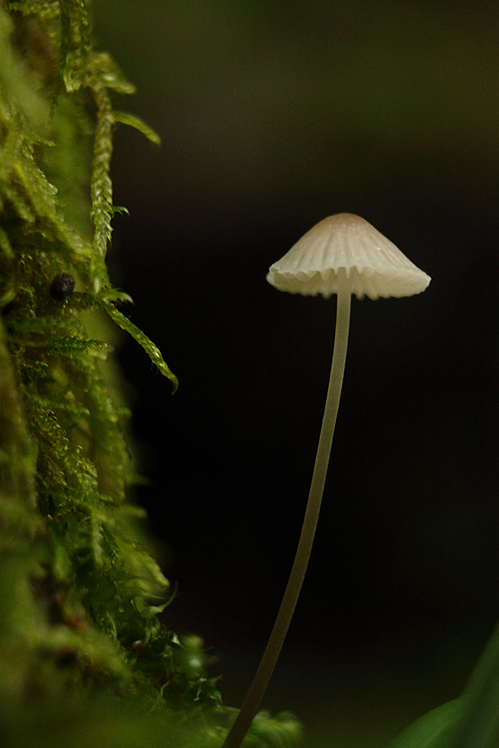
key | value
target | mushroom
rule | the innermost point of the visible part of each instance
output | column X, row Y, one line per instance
column 342, row 254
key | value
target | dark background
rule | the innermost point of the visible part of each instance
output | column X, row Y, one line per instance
column 274, row 115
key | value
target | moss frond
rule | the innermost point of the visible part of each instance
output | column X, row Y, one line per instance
column 102, row 190
column 130, row 119
column 150, row 348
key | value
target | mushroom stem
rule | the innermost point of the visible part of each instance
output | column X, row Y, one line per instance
column 292, row 592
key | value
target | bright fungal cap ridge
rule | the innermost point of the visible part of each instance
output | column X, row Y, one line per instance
column 374, row 265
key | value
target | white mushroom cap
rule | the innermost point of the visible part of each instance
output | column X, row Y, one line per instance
column 374, row 265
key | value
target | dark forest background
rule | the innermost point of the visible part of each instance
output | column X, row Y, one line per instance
column 274, row 115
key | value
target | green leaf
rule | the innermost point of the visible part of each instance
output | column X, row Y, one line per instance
column 108, row 74
column 138, row 124
column 120, row 210
column 479, row 724
column 433, row 729
column 148, row 611
column 472, row 720
column 113, row 294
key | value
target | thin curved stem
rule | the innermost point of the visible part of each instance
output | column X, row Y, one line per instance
column 292, row 592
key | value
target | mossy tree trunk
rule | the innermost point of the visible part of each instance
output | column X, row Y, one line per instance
column 84, row 659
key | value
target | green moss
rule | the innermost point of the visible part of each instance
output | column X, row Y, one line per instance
column 66, row 468
column 82, row 650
